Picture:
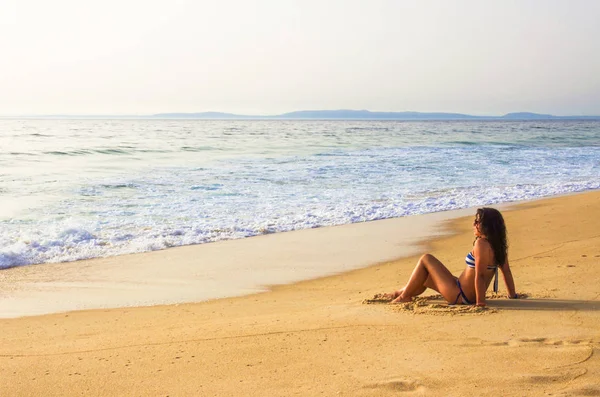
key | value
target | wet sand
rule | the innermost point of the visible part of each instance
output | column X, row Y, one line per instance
column 317, row 337
column 211, row 271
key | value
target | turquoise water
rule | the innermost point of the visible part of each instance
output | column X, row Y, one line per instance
column 74, row 189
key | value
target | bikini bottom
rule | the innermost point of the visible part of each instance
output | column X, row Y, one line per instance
column 461, row 295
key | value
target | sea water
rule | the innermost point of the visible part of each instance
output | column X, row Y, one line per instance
column 76, row 189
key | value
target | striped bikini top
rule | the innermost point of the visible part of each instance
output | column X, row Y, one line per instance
column 470, row 260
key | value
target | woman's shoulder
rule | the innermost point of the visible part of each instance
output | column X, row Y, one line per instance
column 481, row 243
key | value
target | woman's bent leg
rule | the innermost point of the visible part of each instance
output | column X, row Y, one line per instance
column 432, row 273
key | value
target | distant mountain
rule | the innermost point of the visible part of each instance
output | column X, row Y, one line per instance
column 345, row 114
column 538, row 116
column 528, row 116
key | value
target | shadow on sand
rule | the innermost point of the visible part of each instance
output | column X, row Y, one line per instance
column 545, row 304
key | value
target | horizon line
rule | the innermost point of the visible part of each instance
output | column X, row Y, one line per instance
column 302, row 114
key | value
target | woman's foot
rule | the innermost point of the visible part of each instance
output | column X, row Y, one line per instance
column 392, row 295
column 401, row 299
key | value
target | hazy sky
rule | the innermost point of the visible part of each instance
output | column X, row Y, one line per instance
column 273, row 56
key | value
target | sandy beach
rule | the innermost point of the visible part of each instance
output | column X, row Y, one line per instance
column 319, row 337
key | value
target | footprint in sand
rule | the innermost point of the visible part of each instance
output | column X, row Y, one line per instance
column 591, row 390
column 544, row 341
column 531, row 339
column 540, row 341
column 555, row 378
column 401, row 385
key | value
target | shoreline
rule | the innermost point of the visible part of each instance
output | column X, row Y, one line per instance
column 142, row 279
column 223, row 269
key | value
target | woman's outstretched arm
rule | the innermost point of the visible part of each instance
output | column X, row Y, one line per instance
column 482, row 251
column 509, row 281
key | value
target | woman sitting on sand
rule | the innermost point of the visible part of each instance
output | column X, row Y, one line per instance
column 490, row 252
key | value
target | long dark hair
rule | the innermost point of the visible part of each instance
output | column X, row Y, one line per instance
column 491, row 224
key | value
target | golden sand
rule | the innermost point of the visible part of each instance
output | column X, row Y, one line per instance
column 317, row 337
